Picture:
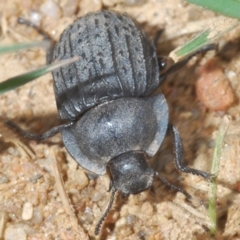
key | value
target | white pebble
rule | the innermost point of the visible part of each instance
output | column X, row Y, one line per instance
column 27, row 212
column 50, row 9
column 81, row 179
column 35, row 17
column 12, row 233
column 97, row 196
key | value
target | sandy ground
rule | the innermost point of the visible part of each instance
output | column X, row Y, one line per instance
column 44, row 194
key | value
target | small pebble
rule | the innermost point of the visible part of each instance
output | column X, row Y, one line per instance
column 213, row 88
column 147, row 209
column 27, row 212
column 70, row 7
column 97, row 196
column 37, row 215
column 12, row 233
column 81, row 179
column 35, row 17
column 50, row 9
column 3, row 179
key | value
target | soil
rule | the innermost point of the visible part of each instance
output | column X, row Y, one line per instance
column 44, row 194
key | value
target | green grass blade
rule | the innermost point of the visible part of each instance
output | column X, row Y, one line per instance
column 194, row 44
column 216, row 29
column 214, row 171
column 20, row 80
column 22, row 46
column 230, row 8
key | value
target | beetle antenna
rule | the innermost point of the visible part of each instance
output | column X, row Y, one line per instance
column 100, row 222
column 165, row 181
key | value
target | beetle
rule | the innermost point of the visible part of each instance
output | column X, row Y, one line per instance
column 114, row 122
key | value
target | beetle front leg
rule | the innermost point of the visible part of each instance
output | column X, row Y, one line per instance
column 53, row 131
column 165, row 181
column 179, row 159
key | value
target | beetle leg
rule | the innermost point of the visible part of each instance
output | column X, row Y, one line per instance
column 43, row 33
column 179, row 159
column 165, row 181
column 53, row 131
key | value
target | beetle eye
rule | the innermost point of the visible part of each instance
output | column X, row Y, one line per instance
column 164, row 63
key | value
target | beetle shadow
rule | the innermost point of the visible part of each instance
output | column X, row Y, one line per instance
column 4, row 145
column 229, row 50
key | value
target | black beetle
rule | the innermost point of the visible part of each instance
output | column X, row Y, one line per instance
column 113, row 120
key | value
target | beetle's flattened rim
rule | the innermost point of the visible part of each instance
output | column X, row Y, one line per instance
column 160, row 109
column 72, row 147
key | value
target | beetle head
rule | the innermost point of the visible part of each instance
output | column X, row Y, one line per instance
column 130, row 173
